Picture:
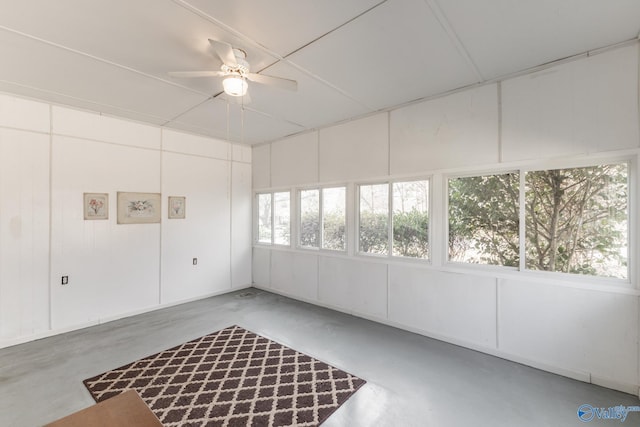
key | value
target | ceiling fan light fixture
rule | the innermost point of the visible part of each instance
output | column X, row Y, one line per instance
column 235, row 85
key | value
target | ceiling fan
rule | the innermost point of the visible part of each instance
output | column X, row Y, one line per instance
column 235, row 71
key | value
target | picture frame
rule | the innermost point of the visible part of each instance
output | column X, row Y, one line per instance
column 138, row 208
column 96, row 206
column 177, row 207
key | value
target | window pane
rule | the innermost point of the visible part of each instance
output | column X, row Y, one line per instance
column 374, row 219
column 264, row 218
column 484, row 219
column 281, row 218
column 576, row 220
column 411, row 219
column 310, row 218
column 334, row 218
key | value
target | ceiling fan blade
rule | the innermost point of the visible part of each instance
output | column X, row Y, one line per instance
column 224, row 52
column 273, row 81
column 196, row 73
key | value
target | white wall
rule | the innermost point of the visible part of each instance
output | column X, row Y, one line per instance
column 112, row 268
column 241, row 223
column 580, row 110
column 50, row 156
column 24, row 230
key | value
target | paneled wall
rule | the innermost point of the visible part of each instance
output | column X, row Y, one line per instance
column 49, row 157
column 578, row 111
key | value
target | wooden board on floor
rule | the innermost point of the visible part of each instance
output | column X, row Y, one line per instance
column 126, row 409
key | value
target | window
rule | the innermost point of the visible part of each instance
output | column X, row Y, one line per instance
column 310, row 218
column 408, row 216
column 411, row 219
column 374, row 219
column 484, row 219
column 577, row 220
column 264, row 218
column 274, row 217
column 334, row 218
column 323, row 218
column 281, row 218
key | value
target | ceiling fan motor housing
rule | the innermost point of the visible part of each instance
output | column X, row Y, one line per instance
column 235, row 71
column 241, row 67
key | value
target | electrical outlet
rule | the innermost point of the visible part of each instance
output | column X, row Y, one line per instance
column 65, row 280
column 195, row 261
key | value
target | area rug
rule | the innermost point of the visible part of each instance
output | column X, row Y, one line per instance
column 232, row 377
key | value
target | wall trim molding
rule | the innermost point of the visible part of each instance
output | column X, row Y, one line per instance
column 575, row 374
column 53, row 332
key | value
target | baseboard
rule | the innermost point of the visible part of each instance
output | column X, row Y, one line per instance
column 616, row 385
column 171, row 304
column 633, row 389
column 546, row 366
column 57, row 331
column 45, row 334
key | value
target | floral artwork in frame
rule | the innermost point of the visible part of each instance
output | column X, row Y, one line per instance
column 96, row 206
column 177, row 207
column 138, row 208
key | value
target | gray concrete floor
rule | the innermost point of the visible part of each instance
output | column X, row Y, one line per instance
column 411, row 380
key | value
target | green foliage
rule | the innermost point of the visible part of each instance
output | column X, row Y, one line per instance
column 374, row 232
column 334, row 231
column 310, row 230
column 264, row 218
column 576, row 220
column 483, row 219
column 333, row 227
column 264, row 234
column 411, row 234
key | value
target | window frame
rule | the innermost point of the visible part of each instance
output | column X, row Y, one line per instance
column 357, row 220
column 630, row 159
column 390, row 183
column 256, row 220
column 631, row 227
column 445, row 244
column 321, row 247
column 299, row 244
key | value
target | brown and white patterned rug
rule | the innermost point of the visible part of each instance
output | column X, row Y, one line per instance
column 232, row 377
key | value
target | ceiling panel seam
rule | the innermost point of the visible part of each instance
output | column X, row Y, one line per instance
column 103, row 60
column 453, row 35
column 185, row 4
column 174, row 118
column 205, row 131
column 271, row 116
column 97, row 104
column 318, row 78
column 348, row 21
column 330, row 85
column 494, row 80
column 245, row 107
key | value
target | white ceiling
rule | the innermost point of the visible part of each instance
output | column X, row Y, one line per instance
column 350, row 58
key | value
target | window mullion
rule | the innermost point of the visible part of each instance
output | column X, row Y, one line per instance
column 299, row 219
column 390, row 220
column 522, row 225
column 273, row 220
column 320, row 218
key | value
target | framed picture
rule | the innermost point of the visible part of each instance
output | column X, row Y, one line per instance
column 138, row 208
column 96, row 206
column 177, row 206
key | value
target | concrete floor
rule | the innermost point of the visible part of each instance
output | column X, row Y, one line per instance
column 411, row 380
